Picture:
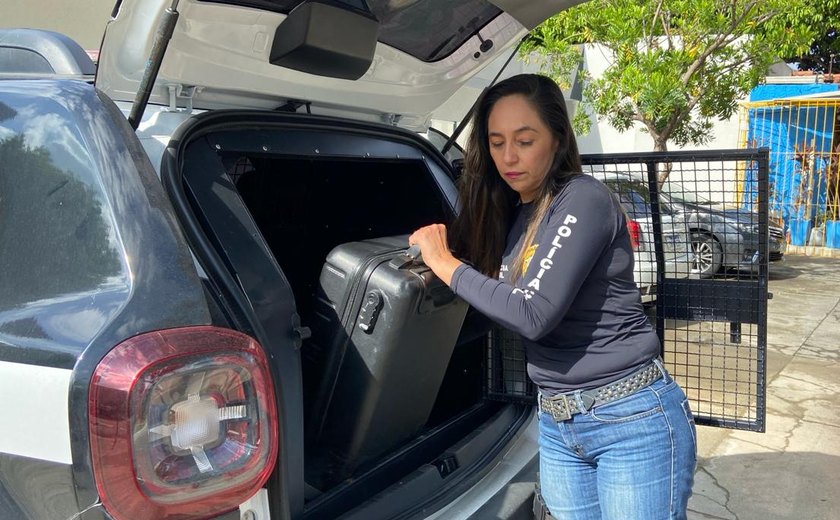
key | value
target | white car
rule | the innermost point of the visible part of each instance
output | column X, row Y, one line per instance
column 678, row 256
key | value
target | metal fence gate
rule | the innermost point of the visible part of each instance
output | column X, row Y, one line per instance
column 702, row 245
column 711, row 318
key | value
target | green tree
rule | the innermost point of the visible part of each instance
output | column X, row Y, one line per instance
column 675, row 65
column 823, row 54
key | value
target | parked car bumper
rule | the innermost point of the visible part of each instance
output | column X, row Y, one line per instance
column 743, row 255
column 677, row 265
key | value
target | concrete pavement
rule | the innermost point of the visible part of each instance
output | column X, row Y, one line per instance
column 793, row 470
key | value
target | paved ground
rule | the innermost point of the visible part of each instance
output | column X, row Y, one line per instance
column 793, row 470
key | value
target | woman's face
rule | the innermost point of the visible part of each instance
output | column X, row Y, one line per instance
column 521, row 145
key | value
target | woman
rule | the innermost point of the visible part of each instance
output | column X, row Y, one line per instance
column 548, row 255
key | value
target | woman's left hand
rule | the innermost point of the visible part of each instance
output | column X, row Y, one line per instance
column 435, row 250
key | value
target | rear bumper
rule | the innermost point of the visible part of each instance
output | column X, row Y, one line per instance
column 506, row 492
column 516, row 500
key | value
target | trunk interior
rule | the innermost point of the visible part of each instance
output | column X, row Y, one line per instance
column 303, row 216
column 305, row 205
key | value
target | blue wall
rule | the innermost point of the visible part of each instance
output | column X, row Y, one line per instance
column 781, row 128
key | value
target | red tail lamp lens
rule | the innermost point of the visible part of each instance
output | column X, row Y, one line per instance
column 183, row 424
column 635, row 231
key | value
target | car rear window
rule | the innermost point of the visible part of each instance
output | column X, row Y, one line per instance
column 429, row 30
column 13, row 59
column 634, row 197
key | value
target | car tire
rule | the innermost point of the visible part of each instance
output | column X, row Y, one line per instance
column 708, row 255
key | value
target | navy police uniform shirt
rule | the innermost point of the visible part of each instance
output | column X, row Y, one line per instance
column 577, row 305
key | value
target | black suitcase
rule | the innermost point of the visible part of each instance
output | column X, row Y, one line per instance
column 384, row 331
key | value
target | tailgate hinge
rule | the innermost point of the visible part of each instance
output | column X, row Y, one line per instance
column 183, row 94
column 391, row 119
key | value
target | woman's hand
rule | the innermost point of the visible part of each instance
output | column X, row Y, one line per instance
column 435, row 250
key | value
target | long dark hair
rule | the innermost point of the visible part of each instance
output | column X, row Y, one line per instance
column 479, row 232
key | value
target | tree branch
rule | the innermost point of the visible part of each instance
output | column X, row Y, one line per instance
column 678, row 117
column 637, row 114
column 653, row 23
column 729, row 66
column 666, row 27
column 721, row 40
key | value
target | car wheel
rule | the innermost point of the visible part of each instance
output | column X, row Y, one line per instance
column 708, row 255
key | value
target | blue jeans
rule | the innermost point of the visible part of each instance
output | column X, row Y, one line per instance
column 631, row 459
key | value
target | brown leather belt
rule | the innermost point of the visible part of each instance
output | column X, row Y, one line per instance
column 563, row 406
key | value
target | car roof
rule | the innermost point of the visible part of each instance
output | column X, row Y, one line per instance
column 616, row 176
column 42, row 53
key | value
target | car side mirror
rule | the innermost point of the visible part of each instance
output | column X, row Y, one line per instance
column 326, row 38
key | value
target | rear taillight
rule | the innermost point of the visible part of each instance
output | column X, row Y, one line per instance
column 635, row 231
column 183, row 424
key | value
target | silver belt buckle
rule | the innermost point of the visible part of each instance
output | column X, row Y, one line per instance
column 559, row 416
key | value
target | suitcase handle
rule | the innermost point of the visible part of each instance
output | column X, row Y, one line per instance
column 410, row 257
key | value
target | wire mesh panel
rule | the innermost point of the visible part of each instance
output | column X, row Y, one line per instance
column 699, row 228
column 507, row 378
